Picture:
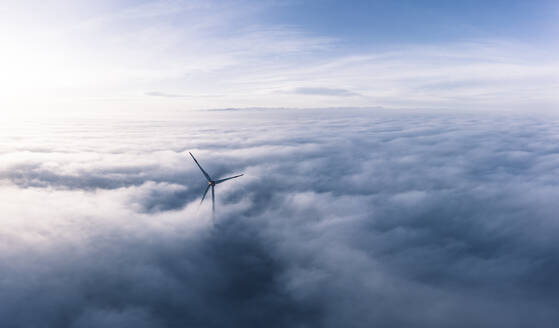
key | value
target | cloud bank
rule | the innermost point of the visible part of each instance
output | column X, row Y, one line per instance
column 349, row 218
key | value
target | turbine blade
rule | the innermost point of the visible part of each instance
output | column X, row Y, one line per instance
column 201, row 169
column 204, row 195
column 222, row 180
column 213, row 200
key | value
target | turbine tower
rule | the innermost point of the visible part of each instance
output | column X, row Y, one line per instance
column 211, row 183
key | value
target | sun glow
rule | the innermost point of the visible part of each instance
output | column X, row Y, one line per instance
column 35, row 69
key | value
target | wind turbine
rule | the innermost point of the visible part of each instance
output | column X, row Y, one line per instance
column 211, row 183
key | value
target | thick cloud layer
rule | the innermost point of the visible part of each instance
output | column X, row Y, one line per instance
column 344, row 217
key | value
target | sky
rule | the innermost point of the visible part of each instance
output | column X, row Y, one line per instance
column 137, row 56
column 400, row 161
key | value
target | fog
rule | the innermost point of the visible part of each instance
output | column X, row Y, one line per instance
column 344, row 217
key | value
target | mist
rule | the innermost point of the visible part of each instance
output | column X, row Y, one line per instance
column 344, row 217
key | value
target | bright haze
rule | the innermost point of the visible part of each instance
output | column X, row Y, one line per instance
column 138, row 55
column 400, row 161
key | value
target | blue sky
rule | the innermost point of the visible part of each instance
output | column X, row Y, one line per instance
column 394, row 22
column 180, row 55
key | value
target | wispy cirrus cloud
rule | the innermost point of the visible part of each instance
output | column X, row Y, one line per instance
column 163, row 94
column 325, row 92
column 204, row 51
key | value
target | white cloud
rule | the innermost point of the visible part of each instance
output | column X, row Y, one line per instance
column 339, row 212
